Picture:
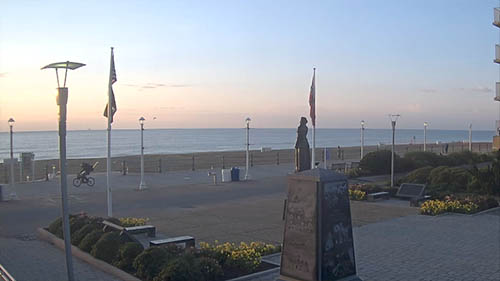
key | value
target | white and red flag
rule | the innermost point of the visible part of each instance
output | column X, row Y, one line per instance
column 312, row 99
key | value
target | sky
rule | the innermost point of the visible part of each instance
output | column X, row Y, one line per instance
column 210, row 64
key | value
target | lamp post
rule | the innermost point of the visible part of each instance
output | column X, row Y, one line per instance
column 142, row 185
column 425, row 135
column 13, row 194
column 248, row 147
column 362, row 139
column 62, row 100
column 470, row 137
column 394, row 118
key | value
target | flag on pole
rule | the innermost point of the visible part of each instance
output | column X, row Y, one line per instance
column 312, row 100
column 112, row 80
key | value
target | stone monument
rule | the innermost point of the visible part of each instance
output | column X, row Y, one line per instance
column 317, row 240
column 302, row 151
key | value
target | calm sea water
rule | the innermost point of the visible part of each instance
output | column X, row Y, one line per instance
column 92, row 143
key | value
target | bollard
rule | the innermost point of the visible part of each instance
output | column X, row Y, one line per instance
column 159, row 165
column 251, row 159
column 277, row 158
column 223, row 164
column 213, row 175
column 192, row 163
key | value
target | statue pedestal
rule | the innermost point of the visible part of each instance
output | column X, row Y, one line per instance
column 317, row 240
column 496, row 143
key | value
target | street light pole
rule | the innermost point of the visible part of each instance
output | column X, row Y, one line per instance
column 142, row 185
column 248, row 147
column 62, row 101
column 13, row 194
column 470, row 137
column 394, row 118
column 362, row 140
column 425, row 135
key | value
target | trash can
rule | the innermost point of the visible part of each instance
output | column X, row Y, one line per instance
column 235, row 174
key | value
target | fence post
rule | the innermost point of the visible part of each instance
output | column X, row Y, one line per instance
column 223, row 163
column 192, row 163
column 159, row 166
column 277, row 158
column 251, row 159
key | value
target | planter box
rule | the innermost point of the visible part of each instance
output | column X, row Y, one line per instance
column 102, row 265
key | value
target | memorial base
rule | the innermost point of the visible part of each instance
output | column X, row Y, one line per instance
column 496, row 143
column 350, row 278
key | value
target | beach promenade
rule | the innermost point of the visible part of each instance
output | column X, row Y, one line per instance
column 391, row 240
column 163, row 163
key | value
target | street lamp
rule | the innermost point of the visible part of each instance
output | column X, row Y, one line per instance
column 248, row 146
column 425, row 135
column 13, row 194
column 394, row 118
column 142, row 185
column 62, row 101
column 362, row 139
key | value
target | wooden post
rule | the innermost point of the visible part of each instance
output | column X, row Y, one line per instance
column 277, row 158
column 159, row 166
column 192, row 163
column 124, row 167
column 223, row 164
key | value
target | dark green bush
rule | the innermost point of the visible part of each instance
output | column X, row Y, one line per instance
column 89, row 240
column 107, row 247
column 445, row 180
column 183, row 268
column 77, row 222
column 126, row 255
column 464, row 158
column 423, row 159
column 420, row 175
column 379, row 162
column 77, row 237
column 150, row 262
column 56, row 228
column 209, row 268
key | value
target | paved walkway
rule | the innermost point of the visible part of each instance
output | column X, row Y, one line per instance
column 451, row 247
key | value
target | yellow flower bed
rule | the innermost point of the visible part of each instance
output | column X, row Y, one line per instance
column 130, row 221
column 246, row 257
column 436, row 207
column 358, row 195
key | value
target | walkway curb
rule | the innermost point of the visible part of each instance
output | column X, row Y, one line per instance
column 101, row 265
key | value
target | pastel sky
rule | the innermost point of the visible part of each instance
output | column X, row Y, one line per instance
column 199, row 64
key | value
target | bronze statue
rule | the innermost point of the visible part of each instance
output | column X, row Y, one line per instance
column 302, row 151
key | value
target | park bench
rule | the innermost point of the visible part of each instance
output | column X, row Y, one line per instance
column 188, row 241
column 149, row 229
column 377, row 195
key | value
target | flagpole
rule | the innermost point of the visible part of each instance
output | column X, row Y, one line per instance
column 108, row 162
column 313, row 156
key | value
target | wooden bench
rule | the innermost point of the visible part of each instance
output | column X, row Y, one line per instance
column 187, row 240
column 377, row 195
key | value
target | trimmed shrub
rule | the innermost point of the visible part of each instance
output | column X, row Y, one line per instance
column 89, row 240
column 379, row 162
column 420, row 175
column 181, row 269
column 77, row 222
column 78, row 236
column 107, row 247
column 209, row 268
column 464, row 158
column 448, row 180
column 150, row 262
column 423, row 159
column 127, row 254
column 56, row 227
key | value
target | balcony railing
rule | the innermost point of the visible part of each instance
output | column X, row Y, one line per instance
column 497, row 91
column 497, row 54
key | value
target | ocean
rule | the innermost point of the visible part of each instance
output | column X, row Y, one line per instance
column 92, row 143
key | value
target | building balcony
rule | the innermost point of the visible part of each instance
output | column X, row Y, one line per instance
column 497, row 91
column 496, row 17
column 497, row 54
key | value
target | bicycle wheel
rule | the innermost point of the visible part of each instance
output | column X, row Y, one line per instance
column 77, row 182
column 90, row 181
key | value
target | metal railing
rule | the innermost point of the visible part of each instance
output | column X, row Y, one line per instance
column 4, row 275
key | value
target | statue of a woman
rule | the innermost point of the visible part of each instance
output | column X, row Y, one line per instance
column 302, row 152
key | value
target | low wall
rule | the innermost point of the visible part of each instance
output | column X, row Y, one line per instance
column 160, row 163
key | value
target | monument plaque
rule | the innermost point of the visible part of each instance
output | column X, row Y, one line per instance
column 317, row 240
column 411, row 190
